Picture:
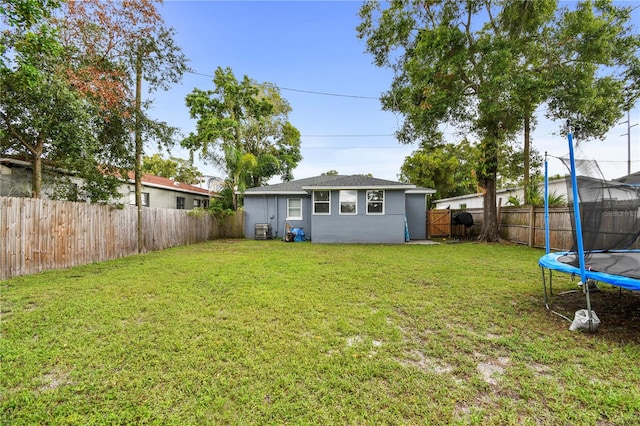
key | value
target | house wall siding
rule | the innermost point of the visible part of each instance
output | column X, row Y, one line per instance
column 161, row 198
column 272, row 209
column 557, row 187
column 16, row 182
column 361, row 227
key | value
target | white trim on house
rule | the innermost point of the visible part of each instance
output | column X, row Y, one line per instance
column 313, row 203
column 279, row 192
column 350, row 197
column 299, row 207
column 354, row 187
column 368, row 202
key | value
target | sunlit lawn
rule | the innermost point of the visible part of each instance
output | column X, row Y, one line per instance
column 267, row 332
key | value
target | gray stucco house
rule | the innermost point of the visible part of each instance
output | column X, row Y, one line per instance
column 339, row 209
column 157, row 192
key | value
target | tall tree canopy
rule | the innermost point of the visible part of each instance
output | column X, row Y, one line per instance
column 469, row 63
column 70, row 92
column 449, row 168
column 43, row 118
column 125, row 44
column 173, row 168
column 243, row 128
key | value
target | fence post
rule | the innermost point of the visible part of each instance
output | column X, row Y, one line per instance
column 532, row 225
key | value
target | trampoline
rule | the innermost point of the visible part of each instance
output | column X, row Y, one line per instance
column 605, row 228
column 620, row 268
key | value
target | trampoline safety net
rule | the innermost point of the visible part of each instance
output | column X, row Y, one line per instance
column 609, row 210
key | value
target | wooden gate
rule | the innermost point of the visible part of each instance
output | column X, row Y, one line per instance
column 439, row 223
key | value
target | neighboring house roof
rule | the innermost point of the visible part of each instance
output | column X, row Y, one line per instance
column 147, row 180
column 632, row 179
column 303, row 186
column 166, row 183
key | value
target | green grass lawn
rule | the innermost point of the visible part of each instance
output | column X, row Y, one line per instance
column 266, row 332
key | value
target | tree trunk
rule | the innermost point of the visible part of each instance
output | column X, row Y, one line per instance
column 527, row 155
column 138, row 142
column 489, row 166
column 490, row 232
column 36, row 179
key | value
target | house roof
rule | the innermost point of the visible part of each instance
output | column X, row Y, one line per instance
column 147, row 180
column 166, row 183
column 303, row 186
column 632, row 179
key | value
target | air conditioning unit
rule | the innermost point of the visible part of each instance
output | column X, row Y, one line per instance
column 263, row 231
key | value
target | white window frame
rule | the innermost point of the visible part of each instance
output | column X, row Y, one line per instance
column 289, row 208
column 350, row 192
column 145, row 198
column 328, row 202
column 369, row 202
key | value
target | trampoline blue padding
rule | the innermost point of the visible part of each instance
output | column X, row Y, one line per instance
column 620, row 267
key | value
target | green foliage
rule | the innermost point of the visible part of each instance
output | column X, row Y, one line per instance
column 488, row 78
column 556, row 200
column 534, row 195
column 373, row 335
column 514, row 200
column 451, row 168
column 243, row 128
column 172, row 168
column 447, row 168
column 215, row 209
column 65, row 88
column 596, row 36
column 330, row 173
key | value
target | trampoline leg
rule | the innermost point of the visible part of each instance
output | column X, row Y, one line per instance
column 589, row 313
column 544, row 286
column 546, row 295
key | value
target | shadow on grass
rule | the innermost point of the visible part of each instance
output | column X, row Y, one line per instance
column 618, row 310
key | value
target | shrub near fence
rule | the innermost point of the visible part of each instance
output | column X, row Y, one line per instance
column 37, row 235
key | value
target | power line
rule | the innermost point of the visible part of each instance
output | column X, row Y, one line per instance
column 312, row 92
column 353, row 147
column 346, row 136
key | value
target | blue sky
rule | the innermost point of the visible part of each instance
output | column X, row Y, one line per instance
column 311, row 46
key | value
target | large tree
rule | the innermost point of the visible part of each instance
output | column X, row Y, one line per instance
column 449, row 69
column 581, row 61
column 485, row 67
column 119, row 46
column 44, row 119
column 594, row 66
column 243, row 128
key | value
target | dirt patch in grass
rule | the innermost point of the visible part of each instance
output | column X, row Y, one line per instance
column 619, row 311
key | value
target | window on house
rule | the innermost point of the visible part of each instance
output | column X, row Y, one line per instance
column 197, row 203
column 145, row 198
column 348, row 202
column 463, row 205
column 321, row 202
column 180, row 203
column 294, row 209
column 205, row 204
column 375, row 202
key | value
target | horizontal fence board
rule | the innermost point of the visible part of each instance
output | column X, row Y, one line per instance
column 38, row 235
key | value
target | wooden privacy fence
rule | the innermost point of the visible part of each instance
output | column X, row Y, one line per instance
column 37, row 235
column 522, row 225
